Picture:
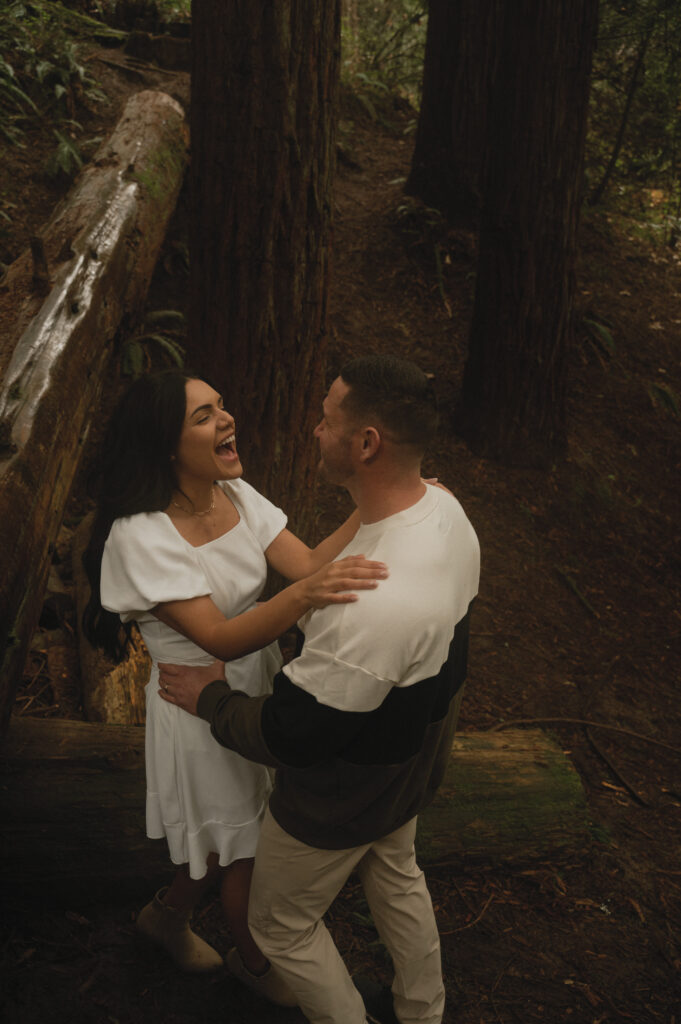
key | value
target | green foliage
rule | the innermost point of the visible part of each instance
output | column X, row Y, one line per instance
column 383, row 45
column 42, row 76
column 66, row 159
column 156, row 10
column 599, row 337
column 425, row 232
column 634, row 140
column 176, row 258
column 664, row 398
column 137, row 354
column 15, row 103
column 593, row 492
column 4, row 215
column 174, row 10
column 422, row 223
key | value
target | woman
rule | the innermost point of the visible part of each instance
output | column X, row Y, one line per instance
column 181, row 545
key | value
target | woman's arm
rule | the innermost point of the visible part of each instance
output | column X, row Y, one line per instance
column 201, row 621
column 295, row 560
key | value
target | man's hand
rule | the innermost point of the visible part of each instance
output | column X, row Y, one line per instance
column 182, row 684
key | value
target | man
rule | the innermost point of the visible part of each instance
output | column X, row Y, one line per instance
column 360, row 725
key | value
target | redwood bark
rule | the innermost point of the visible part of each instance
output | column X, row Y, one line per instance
column 459, row 66
column 264, row 85
column 514, row 389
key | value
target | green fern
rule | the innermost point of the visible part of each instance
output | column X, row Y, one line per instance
column 133, row 359
column 600, row 337
column 137, row 355
column 165, row 316
column 170, row 346
column 41, row 74
column 66, row 159
column 663, row 397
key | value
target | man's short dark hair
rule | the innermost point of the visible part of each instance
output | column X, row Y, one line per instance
column 396, row 393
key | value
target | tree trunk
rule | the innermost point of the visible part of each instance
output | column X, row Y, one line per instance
column 514, row 388
column 100, row 248
column 72, row 799
column 264, row 84
column 459, row 66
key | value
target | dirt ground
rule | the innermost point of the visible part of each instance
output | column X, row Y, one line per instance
column 577, row 622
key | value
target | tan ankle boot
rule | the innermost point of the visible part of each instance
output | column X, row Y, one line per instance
column 169, row 927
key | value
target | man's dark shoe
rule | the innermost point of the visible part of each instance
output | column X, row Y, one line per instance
column 378, row 1000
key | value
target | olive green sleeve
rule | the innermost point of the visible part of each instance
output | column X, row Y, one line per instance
column 235, row 721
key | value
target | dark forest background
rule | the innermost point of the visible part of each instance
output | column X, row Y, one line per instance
column 494, row 190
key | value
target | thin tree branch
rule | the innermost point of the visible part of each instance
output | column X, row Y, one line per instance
column 615, row 771
column 598, row 192
column 581, row 721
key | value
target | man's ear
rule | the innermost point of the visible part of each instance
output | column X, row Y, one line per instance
column 370, row 443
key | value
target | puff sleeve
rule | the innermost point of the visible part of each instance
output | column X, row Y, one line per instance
column 146, row 562
column 264, row 520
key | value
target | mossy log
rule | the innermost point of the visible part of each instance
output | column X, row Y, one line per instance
column 72, row 797
column 507, row 796
column 97, row 256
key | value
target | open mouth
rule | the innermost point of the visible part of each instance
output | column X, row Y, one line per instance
column 227, row 448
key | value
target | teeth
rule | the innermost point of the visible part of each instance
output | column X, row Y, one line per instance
column 227, row 440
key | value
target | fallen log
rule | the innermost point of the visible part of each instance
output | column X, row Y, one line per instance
column 172, row 52
column 72, row 798
column 96, row 257
column 74, row 794
column 510, row 797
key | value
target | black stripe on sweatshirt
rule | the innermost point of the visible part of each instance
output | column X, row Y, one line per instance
column 300, row 731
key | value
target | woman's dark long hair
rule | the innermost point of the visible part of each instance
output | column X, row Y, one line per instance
column 134, row 473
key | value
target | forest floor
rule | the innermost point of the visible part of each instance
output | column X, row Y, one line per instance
column 577, row 622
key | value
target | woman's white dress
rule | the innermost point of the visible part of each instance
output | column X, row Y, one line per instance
column 202, row 797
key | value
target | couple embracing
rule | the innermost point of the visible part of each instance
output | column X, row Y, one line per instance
column 358, row 727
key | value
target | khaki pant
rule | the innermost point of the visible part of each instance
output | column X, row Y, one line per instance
column 293, row 886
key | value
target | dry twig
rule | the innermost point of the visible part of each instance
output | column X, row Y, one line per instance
column 581, row 721
column 470, row 924
column 615, row 771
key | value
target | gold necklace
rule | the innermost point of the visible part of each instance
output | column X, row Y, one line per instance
column 208, row 510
